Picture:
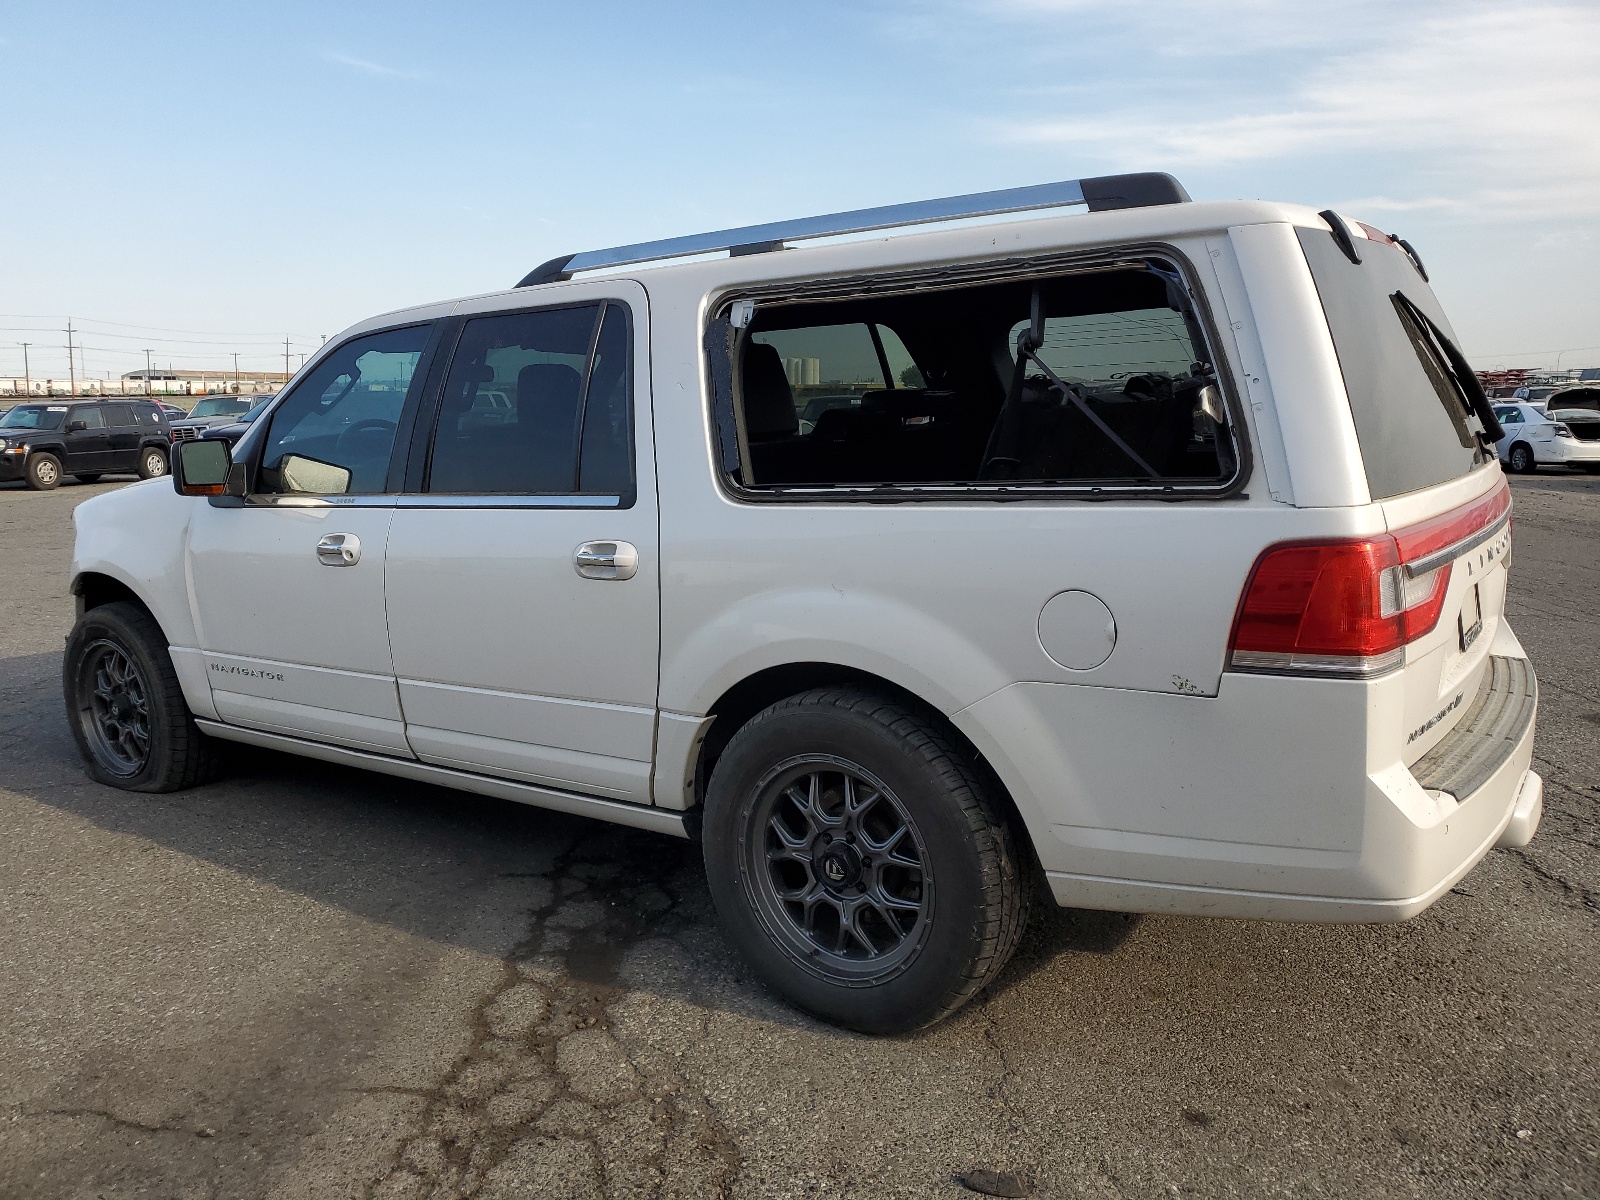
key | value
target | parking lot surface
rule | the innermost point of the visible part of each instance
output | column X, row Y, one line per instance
column 303, row 981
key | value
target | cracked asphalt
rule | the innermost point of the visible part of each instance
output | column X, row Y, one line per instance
column 303, row 981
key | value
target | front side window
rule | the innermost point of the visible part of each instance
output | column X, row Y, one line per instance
column 537, row 403
column 335, row 433
column 1097, row 378
column 1509, row 416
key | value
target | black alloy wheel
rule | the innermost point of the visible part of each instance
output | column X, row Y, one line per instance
column 860, row 862
column 114, row 707
column 125, row 705
column 837, row 870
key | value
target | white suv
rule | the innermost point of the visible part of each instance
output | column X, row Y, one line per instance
column 1156, row 552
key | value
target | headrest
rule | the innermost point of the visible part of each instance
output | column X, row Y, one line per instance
column 548, row 391
column 768, row 402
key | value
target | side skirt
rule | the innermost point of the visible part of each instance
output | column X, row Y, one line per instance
column 637, row 816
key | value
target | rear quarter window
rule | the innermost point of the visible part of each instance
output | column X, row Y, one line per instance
column 1410, row 429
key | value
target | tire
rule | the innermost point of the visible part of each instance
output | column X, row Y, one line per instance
column 91, row 477
column 787, row 859
column 44, row 472
column 152, row 462
column 1520, row 460
column 125, row 707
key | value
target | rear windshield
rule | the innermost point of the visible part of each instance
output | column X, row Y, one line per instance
column 1414, row 425
column 34, row 416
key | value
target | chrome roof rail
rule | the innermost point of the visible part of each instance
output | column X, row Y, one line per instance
column 1097, row 194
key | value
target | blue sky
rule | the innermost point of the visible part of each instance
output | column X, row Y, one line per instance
column 210, row 177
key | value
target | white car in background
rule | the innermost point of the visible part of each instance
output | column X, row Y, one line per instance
column 1534, row 438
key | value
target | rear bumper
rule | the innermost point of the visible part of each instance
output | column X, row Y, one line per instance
column 1258, row 803
column 1568, row 450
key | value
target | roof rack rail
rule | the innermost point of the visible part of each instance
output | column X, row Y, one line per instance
column 1097, row 194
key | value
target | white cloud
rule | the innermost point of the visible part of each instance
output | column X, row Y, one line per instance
column 1501, row 105
column 366, row 66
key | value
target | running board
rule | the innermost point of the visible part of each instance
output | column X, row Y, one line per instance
column 638, row 816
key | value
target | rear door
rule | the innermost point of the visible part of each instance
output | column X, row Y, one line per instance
column 523, row 568
column 123, row 437
column 1427, row 464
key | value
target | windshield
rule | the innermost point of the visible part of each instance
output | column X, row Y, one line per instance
column 257, row 409
column 34, row 416
column 220, row 408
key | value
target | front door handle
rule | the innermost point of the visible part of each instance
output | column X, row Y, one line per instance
column 339, row 550
column 606, row 560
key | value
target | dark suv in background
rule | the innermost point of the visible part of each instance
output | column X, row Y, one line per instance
column 39, row 443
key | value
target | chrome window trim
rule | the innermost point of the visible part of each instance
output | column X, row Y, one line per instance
column 431, row 500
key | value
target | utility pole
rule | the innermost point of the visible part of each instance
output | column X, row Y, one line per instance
column 27, row 377
column 235, row 372
column 286, row 360
column 72, row 363
column 302, row 362
column 147, row 371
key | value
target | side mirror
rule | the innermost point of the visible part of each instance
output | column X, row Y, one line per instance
column 77, row 426
column 201, row 468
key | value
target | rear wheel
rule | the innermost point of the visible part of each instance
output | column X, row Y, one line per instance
column 152, row 462
column 44, row 472
column 125, row 707
column 91, row 477
column 858, row 862
column 1521, row 459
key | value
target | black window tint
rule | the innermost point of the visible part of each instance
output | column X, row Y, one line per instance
column 146, row 415
column 511, row 414
column 606, row 467
column 344, row 415
column 119, row 416
column 91, row 418
column 1410, row 421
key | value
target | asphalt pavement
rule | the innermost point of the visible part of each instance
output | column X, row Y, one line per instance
column 303, row 981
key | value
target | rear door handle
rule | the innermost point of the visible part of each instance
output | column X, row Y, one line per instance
column 339, row 550
column 606, row 560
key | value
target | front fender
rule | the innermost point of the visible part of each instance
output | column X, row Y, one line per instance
column 137, row 536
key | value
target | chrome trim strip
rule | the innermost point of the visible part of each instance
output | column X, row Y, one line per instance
column 300, row 500
column 424, row 500
column 1449, row 554
column 1333, row 666
column 638, row 816
column 860, row 220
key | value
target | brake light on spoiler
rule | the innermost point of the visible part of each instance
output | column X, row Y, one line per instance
column 1348, row 607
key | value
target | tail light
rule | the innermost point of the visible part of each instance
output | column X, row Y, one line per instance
column 1349, row 606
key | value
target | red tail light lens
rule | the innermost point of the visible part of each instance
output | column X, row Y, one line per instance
column 1349, row 606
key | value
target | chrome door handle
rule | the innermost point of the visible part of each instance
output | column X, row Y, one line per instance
column 339, row 550
column 606, row 560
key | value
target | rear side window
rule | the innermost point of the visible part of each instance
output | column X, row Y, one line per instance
column 1412, row 424
column 1095, row 379
column 537, row 403
column 89, row 418
column 119, row 416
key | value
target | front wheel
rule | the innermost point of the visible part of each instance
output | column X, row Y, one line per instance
column 44, row 472
column 125, row 707
column 152, row 462
column 1521, row 460
column 858, row 862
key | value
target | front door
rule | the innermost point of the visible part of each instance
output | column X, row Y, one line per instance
column 289, row 585
column 522, row 574
column 88, row 440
